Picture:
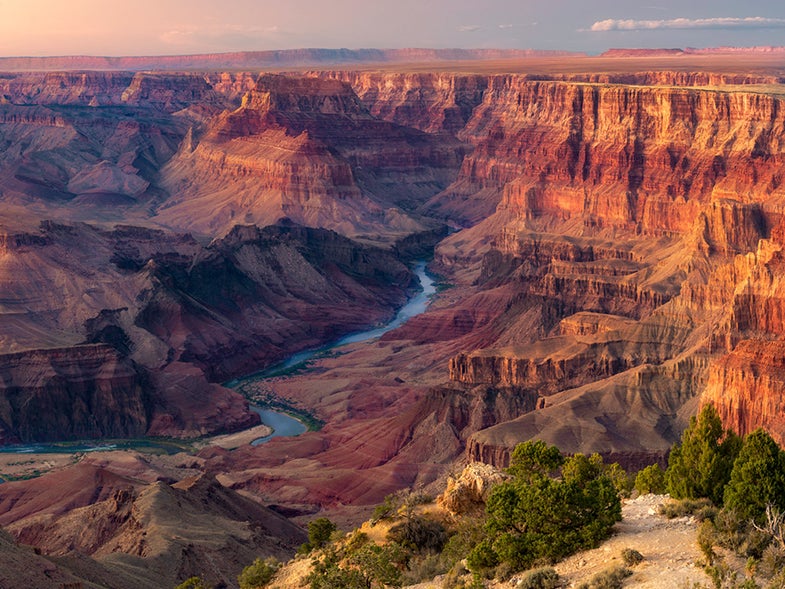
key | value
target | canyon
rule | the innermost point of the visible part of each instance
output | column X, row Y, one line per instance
column 608, row 233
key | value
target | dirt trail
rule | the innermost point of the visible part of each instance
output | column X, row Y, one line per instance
column 669, row 549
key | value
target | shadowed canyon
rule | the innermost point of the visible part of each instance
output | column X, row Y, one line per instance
column 607, row 234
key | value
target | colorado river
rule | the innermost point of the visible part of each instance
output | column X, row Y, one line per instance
column 416, row 305
column 281, row 423
column 286, row 425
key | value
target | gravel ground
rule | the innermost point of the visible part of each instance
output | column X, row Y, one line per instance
column 669, row 549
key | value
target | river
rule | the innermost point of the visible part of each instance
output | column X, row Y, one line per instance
column 286, row 425
column 281, row 423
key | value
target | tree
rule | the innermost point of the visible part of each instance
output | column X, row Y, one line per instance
column 700, row 466
column 319, row 532
column 258, row 574
column 193, row 583
column 650, row 480
column 535, row 517
column 534, row 458
column 757, row 478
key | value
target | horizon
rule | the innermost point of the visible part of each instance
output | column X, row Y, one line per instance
column 49, row 28
column 687, row 50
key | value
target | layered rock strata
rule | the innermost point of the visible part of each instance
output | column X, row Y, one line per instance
column 307, row 150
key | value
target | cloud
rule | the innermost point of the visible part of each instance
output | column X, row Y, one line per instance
column 469, row 28
column 217, row 34
column 507, row 26
column 750, row 22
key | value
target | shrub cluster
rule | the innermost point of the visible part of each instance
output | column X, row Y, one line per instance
column 745, row 480
column 539, row 517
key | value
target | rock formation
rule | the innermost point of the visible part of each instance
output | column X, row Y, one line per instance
column 615, row 257
column 468, row 492
column 306, row 149
column 143, row 535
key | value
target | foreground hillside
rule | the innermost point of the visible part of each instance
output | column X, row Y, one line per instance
column 669, row 549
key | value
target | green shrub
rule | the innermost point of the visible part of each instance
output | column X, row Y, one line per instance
column 630, row 557
column 482, row 558
column 701, row 465
column 650, row 480
column 534, row 457
column 258, row 574
column 381, row 564
column 456, row 577
column 419, row 534
column 622, row 482
column 757, row 478
column 537, row 518
column 467, row 534
column 686, row 507
column 423, row 568
column 706, row 540
column 611, row 578
column 772, row 561
column 327, row 573
column 319, row 532
column 386, row 508
column 541, row 578
column 193, row 583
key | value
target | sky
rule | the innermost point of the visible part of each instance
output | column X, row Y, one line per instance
column 166, row 27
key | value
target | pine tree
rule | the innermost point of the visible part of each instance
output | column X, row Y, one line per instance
column 757, row 478
column 700, row 466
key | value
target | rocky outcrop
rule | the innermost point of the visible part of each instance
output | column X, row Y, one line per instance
column 747, row 386
column 468, row 492
column 642, row 158
column 72, row 393
column 555, row 364
column 65, row 88
column 435, row 103
column 215, row 310
column 161, row 318
column 171, row 93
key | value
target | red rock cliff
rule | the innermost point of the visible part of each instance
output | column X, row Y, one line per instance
column 642, row 158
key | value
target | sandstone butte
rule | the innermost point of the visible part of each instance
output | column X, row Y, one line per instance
column 610, row 230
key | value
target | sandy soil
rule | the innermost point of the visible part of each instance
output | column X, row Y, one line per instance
column 669, row 548
column 237, row 439
column 23, row 465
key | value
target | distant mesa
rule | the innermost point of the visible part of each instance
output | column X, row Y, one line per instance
column 666, row 52
column 641, row 52
column 265, row 59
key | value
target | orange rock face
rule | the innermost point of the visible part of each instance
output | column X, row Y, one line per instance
column 748, row 387
column 641, row 158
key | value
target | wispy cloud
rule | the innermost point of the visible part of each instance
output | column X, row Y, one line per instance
column 469, row 28
column 750, row 22
column 217, row 34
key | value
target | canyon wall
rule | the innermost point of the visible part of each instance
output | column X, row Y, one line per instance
column 71, row 393
column 640, row 158
column 620, row 230
column 307, row 149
